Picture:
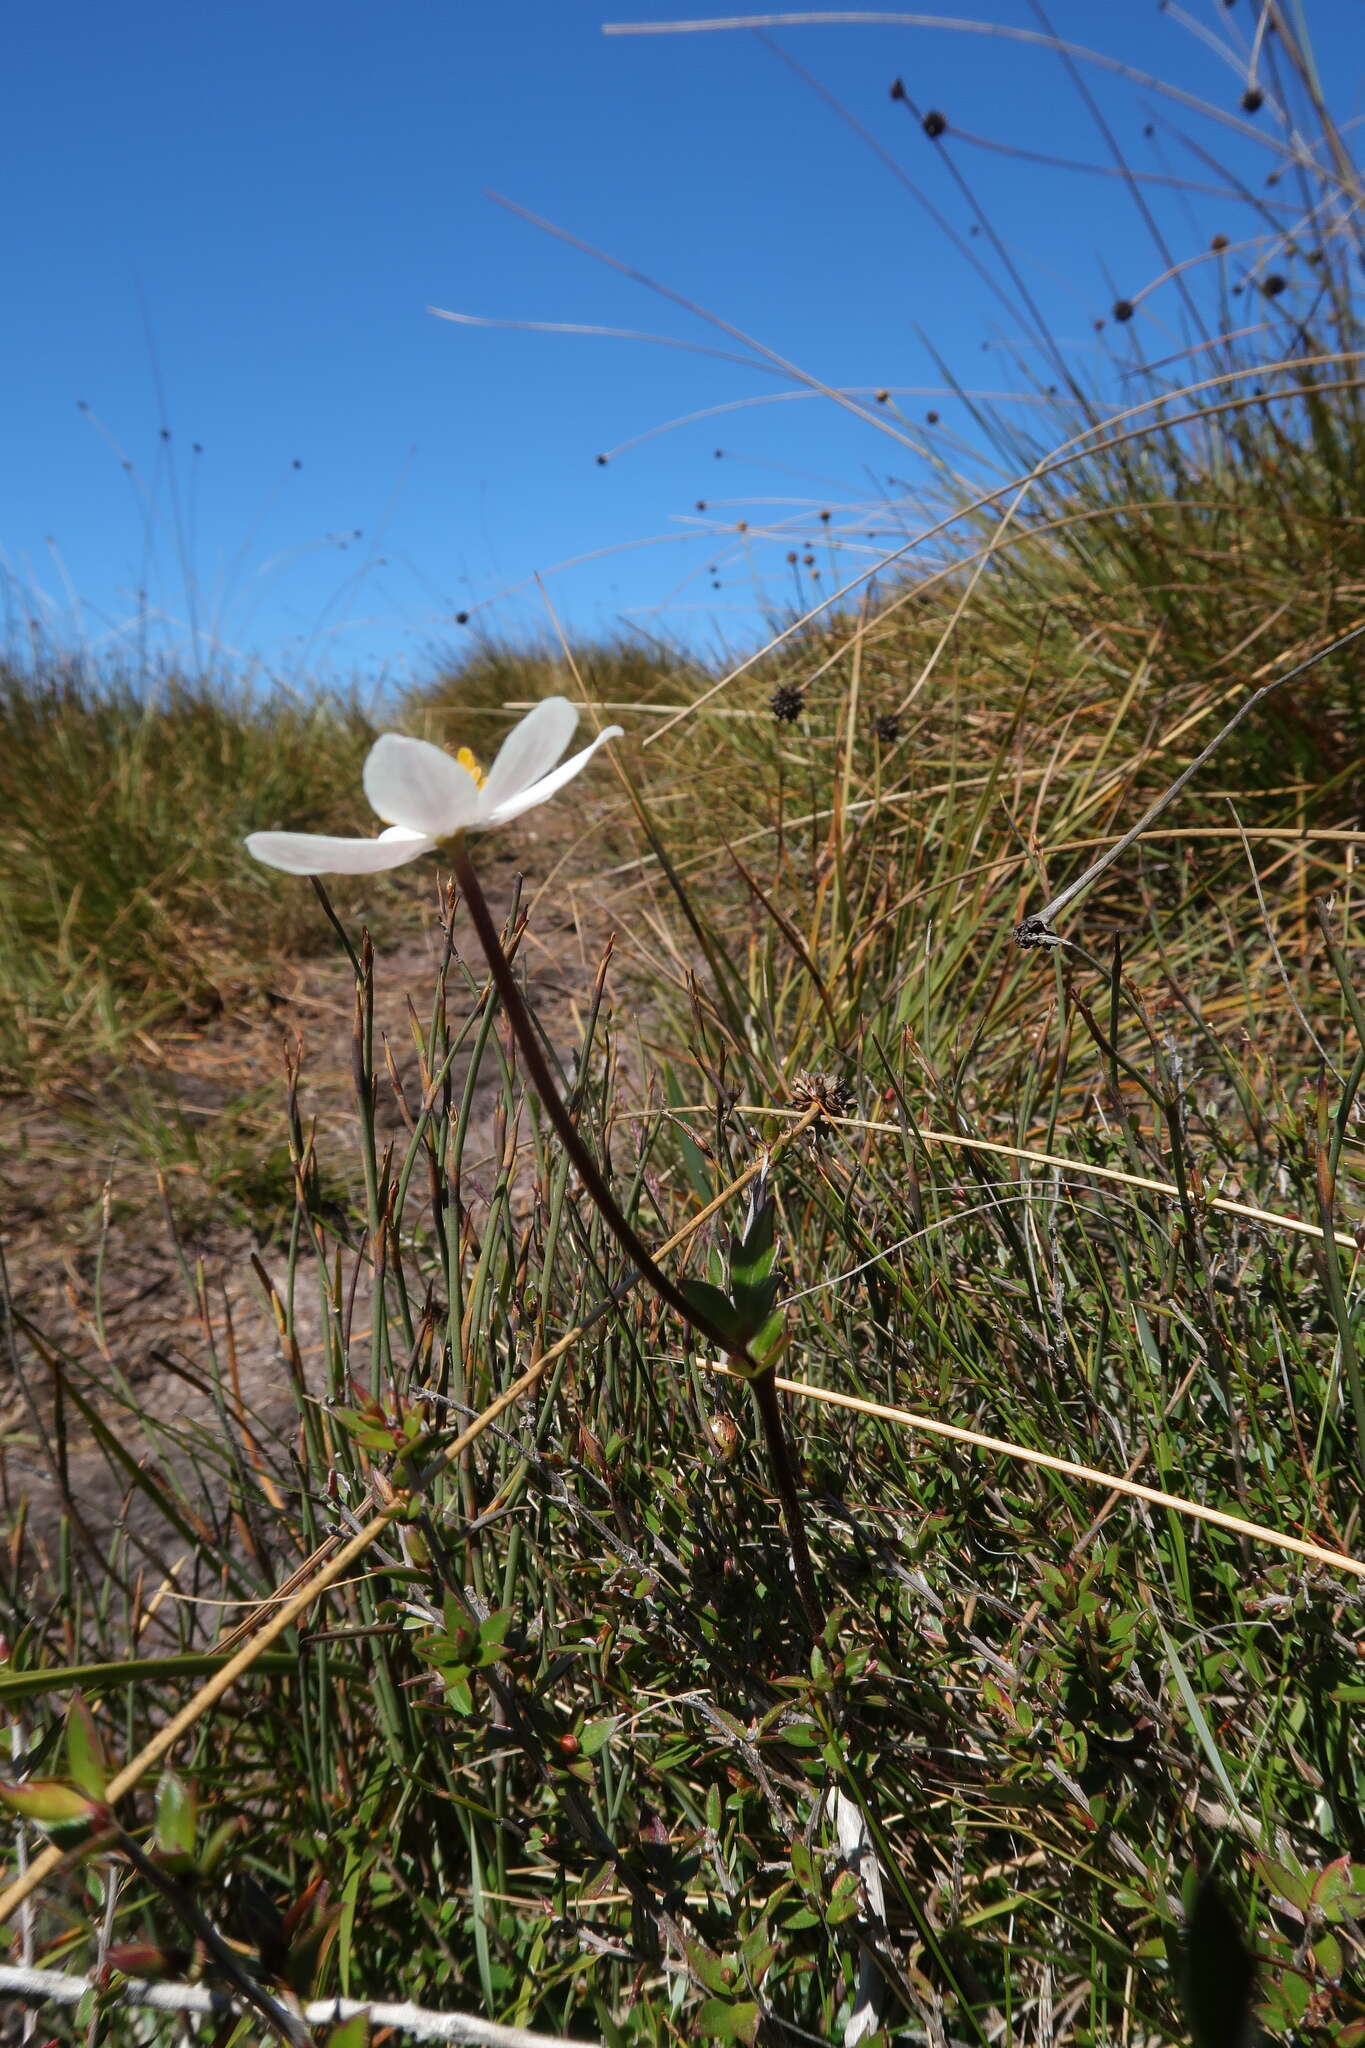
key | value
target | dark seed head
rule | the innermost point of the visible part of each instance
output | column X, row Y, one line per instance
column 898, row 89
column 462, row 618
column 1253, row 99
column 601, row 462
column 1273, row 285
column 887, row 728
column 1123, row 310
column 934, row 124
column 787, row 703
column 1219, row 243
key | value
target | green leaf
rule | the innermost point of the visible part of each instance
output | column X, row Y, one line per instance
column 352, row 2033
column 62, row 1811
column 1220, row 1973
column 84, row 1751
column 753, row 1253
column 714, row 1308
column 769, row 1338
column 492, row 1634
column 753, row 1304
column 597, row 1735
column 718, row 2020
column 709, row 1969
column 1339, row 1891
column 1287, row 1881
column 177, row 1812
column 693, row 1158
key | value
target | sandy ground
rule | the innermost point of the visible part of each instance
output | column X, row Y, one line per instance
column 119, row 1289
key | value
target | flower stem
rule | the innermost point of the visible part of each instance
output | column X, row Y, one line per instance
column 761, row 1379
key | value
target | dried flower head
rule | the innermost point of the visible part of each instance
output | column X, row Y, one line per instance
column 887, row 727
column 827, row 1092
column 787, row 703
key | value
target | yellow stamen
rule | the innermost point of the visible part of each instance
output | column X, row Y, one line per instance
column 468, row 760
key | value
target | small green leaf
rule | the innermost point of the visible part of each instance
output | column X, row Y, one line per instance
column 718, row 2020
column 84, row 1751
column 177, row 1812
column 769, row 1338
column 753, row 1304
column 753, row 1253
column 597, row 1735
column 710, row 1970
column 219, row 1842
column 714, row 1308
column 62, row 1811
column 352, row 2033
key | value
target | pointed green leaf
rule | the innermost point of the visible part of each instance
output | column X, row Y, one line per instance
column 176, row 1816
column 84, row 1751
column 713, row 1308
column 753, row 1251
column 352, row 2033
column 719, row 2020
column 62, row 1811
column 754, row 1304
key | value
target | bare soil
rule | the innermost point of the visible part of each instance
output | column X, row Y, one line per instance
column 136, row 1293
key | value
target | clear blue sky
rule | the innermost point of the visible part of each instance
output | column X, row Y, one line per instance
column 231, row 222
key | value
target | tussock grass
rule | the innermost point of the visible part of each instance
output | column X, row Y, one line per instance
column 124, row 897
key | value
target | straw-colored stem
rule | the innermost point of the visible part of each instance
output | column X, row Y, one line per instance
column 929, row 1425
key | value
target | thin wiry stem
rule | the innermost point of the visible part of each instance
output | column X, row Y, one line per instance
column 762, row 1380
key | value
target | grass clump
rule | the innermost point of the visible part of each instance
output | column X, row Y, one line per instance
column 124, row 895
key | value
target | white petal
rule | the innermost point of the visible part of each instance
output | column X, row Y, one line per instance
column 541, row 792
column 412, row 783
column 315, row 853
column 529, row 751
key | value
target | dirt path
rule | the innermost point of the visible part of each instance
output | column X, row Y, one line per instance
column 148, row 1298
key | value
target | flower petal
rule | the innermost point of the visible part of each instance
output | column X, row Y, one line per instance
column 412, row 783
column 541, row 792
column 316, row 853
column 529, row 751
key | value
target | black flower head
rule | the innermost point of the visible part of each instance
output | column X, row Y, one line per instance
column 787, row 703
column 887, row 728
column 1123, row 309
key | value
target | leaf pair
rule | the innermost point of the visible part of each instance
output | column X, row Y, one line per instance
column 739, row 1300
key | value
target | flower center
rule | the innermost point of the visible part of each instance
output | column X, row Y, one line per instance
column 468, row 760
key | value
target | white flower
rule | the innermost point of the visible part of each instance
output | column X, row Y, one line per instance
column 426, row 795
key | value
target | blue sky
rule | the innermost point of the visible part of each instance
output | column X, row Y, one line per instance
column 231, row 222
